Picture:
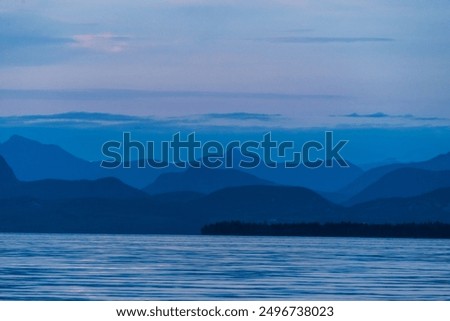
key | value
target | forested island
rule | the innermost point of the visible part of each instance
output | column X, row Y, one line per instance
column 426, row 230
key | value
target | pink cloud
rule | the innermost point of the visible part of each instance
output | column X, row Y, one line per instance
column 104, row 42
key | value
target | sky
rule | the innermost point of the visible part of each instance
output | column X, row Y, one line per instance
column 79, row 72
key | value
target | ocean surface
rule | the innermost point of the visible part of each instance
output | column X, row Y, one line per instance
column 165, row 267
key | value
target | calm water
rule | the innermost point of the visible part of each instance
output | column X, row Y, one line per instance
column 155, row 267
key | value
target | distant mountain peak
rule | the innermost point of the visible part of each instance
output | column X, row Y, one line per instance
column 445, row 156
column 21, row 142
column 403, row 182
column 20, row 139
column 438, row 163
column 33, row 160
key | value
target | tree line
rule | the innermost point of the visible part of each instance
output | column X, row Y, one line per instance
column 344, row 229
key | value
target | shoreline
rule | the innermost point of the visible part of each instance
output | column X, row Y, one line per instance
column 434, row 230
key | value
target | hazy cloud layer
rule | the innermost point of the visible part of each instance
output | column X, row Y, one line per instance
column 325, row 40
column 109, row 94
column 302, row 60
column 244, row 116
column 81, row 119
column 384, row 115
column 32, row 39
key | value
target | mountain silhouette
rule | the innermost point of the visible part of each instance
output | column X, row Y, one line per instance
column 438, row 163
column 178, row 197
column 426, row 208
column 184, row 202
column 202, row 180
column 50, row 189
column 322, row 179
column 403, row 182
column 7, row 176
column 32, row 160
column 267, row 203
column 160, row 215
column 59, row 190
column 257, row 204
column 53, row 162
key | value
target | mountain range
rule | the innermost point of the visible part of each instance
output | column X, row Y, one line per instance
column 52, row 162
column 32, row 160
column 51, row 189
column 403, row 182
column 438, row 163
column 52, row 200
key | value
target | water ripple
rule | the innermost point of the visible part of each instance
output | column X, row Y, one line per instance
column 155, row 267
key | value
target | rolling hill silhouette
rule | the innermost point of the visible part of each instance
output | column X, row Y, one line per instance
column 202, row 180
column 197, row 197
column 267, row 203
column 426, row 208
column 438, row 163
column 322, row 179
column 59, row 189
column 53, row 162
column 154, row 215
column 403, row 182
